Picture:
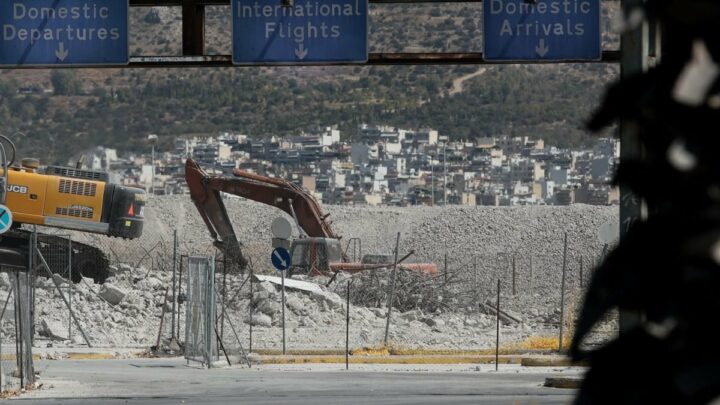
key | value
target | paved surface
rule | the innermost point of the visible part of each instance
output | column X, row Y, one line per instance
column 145, row 381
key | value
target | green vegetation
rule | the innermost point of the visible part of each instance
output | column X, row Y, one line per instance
column 64, row 112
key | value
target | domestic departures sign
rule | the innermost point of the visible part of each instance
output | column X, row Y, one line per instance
column 266, row 31
column 63, row 32
column 557, row 30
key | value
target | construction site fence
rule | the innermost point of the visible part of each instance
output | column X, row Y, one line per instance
column 466, row 283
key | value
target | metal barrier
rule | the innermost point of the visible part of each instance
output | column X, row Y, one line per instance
column 200, row 337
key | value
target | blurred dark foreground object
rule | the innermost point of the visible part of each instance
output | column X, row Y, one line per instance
column 666, row 268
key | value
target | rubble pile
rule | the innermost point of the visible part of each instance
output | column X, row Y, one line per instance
column 449, row 312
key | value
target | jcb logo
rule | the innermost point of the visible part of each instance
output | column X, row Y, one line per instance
column 17, row 189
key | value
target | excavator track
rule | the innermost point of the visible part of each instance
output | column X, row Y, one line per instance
column 86, row 260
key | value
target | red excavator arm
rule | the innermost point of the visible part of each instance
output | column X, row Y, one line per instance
column 205, row 193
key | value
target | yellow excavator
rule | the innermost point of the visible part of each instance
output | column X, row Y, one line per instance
column 67, row 198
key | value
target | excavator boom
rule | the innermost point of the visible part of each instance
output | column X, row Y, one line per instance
column 205, row 192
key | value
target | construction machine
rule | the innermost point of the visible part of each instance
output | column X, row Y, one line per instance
column 73, row 199
column 317, row 252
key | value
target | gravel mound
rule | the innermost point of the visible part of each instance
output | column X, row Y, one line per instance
column 481, row 244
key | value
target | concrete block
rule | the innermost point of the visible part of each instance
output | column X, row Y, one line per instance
column 111, row 294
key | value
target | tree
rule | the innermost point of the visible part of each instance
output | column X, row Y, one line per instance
column 65, row 82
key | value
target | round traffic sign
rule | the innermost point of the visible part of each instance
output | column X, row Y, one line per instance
column 280, row 258
column 281, row 228
column 6, row 219
column 609, row 232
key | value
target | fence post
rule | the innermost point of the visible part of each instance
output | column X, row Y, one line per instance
column 162, row 320
column 347, row 328
column 70, row 282
column 250, row 308
column 445, row 271
column 180, row 271
column 497, row 328
column 531, row 276
column 18, row 327
column 224, row 296
column 562, row 296
column 475, row 282
column 514, row 291
column 392, row 288
column 174, row 293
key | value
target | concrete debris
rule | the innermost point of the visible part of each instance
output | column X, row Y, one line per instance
column 48, row 331
column 111, row 294
column 434, row 322
column 432, row 314
column 289, row 283
column 4, row 280
column 53, row 356
column 59, row 280
column 261, row 320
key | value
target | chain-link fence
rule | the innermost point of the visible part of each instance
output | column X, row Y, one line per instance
column 455, row 308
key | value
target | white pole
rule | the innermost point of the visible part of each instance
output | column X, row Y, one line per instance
column 152, row 180
column 444, row 175
column 432, row 173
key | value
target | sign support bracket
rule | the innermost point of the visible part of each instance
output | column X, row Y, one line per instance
column 193, row 28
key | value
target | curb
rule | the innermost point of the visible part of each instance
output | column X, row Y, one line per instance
column 75, row 356
column 389, row 359
column 554, row 361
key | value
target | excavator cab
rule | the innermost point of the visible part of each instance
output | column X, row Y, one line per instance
column 313, row 256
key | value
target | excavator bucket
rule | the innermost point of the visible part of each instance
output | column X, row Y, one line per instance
column 209, row 203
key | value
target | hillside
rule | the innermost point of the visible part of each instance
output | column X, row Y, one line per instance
column 70, row 110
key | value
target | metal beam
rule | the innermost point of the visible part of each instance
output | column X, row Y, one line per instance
column 178, row 3
column 193, row 28
column 374, row 59
column 170, row 3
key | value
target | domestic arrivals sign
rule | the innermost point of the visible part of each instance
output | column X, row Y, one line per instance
column 300, row 31
column 63, row 32
column 554, row 30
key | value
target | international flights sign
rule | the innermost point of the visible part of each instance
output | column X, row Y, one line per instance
column 309, row 31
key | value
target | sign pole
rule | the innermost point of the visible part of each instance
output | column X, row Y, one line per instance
column 391, row 297
column 347, row 328
column 497, row 328
column 283, row 309
column 562, row 296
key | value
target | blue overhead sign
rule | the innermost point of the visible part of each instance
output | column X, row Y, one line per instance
column 280, row 258
column 63, row 32
column 554, row 30
column 302, row 31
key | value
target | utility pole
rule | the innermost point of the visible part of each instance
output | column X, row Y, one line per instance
column 432, row 184
column 152, row 180
column 153, row 139
column 444, row 175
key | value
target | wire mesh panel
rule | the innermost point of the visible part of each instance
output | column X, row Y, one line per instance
column 23, row 304
column 8, row 363
column 16, row 368
column 56, row 321
column 200, row 340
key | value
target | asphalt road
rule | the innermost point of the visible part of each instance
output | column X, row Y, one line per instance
column 141, row 381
